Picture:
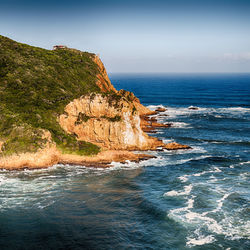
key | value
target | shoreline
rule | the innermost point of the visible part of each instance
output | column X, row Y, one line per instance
column 51, row 156
column 48, row 157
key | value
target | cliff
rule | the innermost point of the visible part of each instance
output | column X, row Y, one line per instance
column 60, row 106
column 111, row 122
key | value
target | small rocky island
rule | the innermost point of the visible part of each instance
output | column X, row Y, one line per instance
column 59, row 106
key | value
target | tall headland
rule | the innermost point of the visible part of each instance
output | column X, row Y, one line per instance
column 59, row 106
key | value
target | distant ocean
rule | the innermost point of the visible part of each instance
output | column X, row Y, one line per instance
column 194, row 199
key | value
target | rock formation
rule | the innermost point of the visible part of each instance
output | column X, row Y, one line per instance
column 175, row 146
column 60, row 106
column 103, row 81
column 109, row 122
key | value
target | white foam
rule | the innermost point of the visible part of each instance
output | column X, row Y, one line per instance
column 188, row 217
column 193, row 150
column 244, row 176
column 234, row 109
column 159, row 161
column 154, row 107
column 202, row 240
column 220, row 202
column 187, row 190
column 167, row 140
column 219, row 206
column 231, row 226
column 174, row 112
column 190, row 202
column 180, row 125
column 215, row 170
column 183, row 178
column 243, row 163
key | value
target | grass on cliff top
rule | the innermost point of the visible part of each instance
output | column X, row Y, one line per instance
column 35, row 86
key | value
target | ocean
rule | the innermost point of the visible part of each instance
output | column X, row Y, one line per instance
column 187, row 199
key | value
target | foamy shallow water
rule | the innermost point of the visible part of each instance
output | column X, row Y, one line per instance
column 188, row 199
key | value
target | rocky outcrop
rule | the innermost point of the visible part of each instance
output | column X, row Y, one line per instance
column 42, row 158
column 176, row 146
column 103, row 81
column 104, row 158
column 51, row 155
column 160, row 109
column 142, row 110
column 114, row 120
column 110, row 121
column 149, row 124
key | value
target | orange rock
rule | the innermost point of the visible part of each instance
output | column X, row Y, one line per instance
column 103, row 81
column 148, row 130
column 160, row 109
column 50, row 156
column 99, row 126
column 175, row 146
column 160, row 125
column 150, row 119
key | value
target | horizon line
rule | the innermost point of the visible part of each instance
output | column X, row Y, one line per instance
column 178, row 73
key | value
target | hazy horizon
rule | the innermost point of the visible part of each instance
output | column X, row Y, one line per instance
column 139, row 36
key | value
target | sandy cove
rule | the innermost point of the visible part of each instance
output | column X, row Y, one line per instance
column 51, row 156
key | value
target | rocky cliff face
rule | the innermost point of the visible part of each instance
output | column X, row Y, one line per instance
column 110, row 121
column 103, row 81
column 35, row 133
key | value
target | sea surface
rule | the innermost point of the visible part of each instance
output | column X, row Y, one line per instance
column 188, row 199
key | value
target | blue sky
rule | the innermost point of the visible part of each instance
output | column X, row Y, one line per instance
column 139, row 36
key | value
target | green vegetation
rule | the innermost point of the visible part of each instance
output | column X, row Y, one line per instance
column 82, row 118
column 35, row 86
column 116, row 118
column 23, row 139
column 134, row 110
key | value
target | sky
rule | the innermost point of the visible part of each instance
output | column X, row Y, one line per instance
column 138, row 36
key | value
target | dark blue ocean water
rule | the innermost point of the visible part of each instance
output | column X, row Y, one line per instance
column 195, row 199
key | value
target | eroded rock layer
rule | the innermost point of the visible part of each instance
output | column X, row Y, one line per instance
column 108, row 121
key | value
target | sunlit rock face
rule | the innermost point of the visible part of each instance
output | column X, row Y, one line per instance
column 103, row 81
column 106, row 121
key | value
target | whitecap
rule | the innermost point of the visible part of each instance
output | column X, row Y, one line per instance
column 187, row 190
column 167, row 140
column 234, row 109
column 183, row 178
column 219, row 206
column 231, row 226
column 193, row 150
column 217, row 170
column 154, row 107
column 180, row 125
column 243, row 163
column 214, row 170
column 200, row 240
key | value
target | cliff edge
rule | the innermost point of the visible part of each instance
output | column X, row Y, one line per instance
column 60, row 106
